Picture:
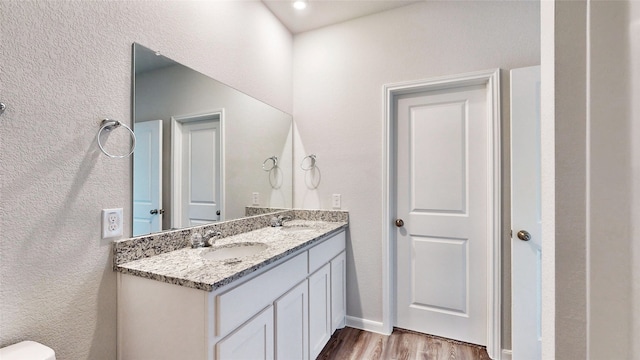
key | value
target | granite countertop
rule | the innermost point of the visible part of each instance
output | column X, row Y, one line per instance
column 188, row 268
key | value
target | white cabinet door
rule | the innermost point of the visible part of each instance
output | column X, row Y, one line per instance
column 319, row 310
column 292, row 331
column 338, row 291
column 253, row 340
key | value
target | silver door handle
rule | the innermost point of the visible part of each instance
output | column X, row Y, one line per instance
column 524, row 235
column 399, row 222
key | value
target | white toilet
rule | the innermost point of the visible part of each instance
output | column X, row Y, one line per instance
column 27, row 350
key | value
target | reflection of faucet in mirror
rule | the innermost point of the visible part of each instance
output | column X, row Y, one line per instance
column 172, row 105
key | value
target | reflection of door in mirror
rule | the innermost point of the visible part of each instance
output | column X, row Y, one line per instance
column 147, row 184
column 197, row 183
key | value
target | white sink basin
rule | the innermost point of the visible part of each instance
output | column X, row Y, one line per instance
column 233, row 251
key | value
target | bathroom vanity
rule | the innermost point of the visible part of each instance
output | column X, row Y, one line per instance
column 282, row 302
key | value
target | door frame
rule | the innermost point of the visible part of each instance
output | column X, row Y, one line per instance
column 176, row 156
column 491, row 79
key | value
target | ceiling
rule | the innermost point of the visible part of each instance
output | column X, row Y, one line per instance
column 320, row 13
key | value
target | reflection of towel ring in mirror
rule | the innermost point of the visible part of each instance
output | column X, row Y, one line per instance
column 275, row 178
column 274, row 159
column 108, row 125
column 312, row 162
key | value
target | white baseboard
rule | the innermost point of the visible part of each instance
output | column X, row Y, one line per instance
column 506, row 354
column 367, row 325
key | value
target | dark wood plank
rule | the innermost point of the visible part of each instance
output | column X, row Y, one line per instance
column 354, row 344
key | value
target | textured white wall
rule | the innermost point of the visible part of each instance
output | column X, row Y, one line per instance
column 65, row 65
column 590, row 117
column 570, row 70
column 339, row 72
column 610, row 157
column 634, row 47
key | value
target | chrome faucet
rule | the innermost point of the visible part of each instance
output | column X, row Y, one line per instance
column 209, row 238
column 279, row 221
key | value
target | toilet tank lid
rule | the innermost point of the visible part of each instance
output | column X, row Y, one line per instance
column 24, row 350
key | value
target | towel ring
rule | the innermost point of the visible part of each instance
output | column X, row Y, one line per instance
column 275, row 163
column 108, row 125
column 312, row 162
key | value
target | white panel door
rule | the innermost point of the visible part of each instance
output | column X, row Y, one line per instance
column 200, row 172
column 526, row 256
column 147, row 178
column 442, row 197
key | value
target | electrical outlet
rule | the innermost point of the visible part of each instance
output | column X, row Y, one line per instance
column 255, row 199
column 111, row 223
column 336, row 202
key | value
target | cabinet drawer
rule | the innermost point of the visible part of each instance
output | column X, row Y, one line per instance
column 239, row 304
column 323, row 253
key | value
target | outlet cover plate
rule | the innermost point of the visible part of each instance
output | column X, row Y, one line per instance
column 111, row 223
column 336, row 201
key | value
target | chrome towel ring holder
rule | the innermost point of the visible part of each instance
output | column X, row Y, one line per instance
column 265, row 165
column 312, row 162
column 108, row 125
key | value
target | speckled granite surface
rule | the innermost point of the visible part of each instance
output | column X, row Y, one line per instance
column 257, row 210
column 321, row 215
column 168, row 256
column 140, row 247
column 188, row 268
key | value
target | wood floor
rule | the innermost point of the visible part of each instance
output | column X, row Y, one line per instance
column 354, row 344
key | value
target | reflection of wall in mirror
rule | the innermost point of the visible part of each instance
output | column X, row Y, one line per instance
column 252, row 130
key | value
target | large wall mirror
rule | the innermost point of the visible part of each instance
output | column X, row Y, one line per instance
column 204, row 150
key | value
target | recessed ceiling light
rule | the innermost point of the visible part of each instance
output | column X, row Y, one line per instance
column 300, row 4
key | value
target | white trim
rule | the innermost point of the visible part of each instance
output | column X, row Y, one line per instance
column 588, row 184
column 366, row 325
column 490, row 78
column 176, row 155
column 548, row 174
column 506, row 354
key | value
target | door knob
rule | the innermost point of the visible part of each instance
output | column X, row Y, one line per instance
column 156, row 211
column 218, row 212
column 399, row 222
column 524, row 235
